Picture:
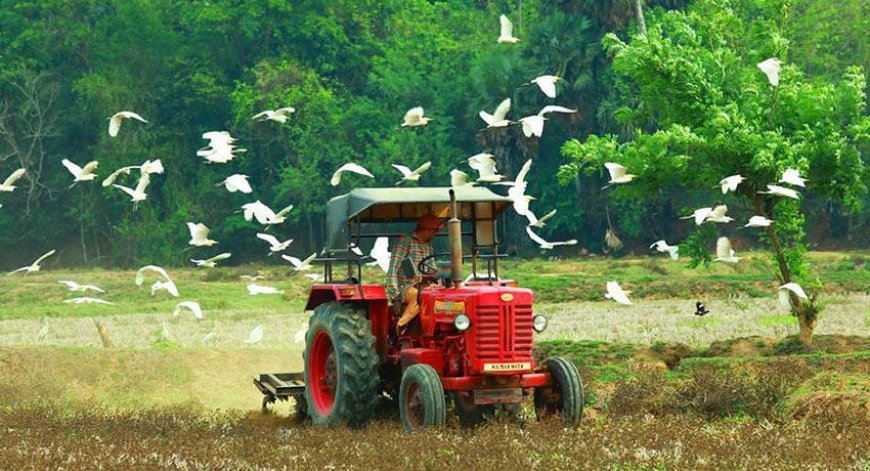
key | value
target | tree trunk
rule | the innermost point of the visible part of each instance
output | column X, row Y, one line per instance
column 807, row 326
column 641, row 23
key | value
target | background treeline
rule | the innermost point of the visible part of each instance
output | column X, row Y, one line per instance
column 351, row 68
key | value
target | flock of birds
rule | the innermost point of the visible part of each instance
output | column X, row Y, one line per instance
column 222, row 149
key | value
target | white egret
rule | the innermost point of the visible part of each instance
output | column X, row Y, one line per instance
column 114, row 175
column 137, row 194
column 220, row 149
column 758, row 221
column 301, row 265
column 718, row 215
column 547, row 84
column 199, row 235
column 348, row 167
column 545, row 245
column 409, row 175
column 617, row 174
column 255, row 335
column 168, row 286
column 532, row 125
column 730, row 183
column 255, row 289
column 699, row 215
column 140, row 273
column 237, row 182
column 34, row 267
column 458, row 178
column 152, row 166
column 536, row 222
column 771, row 67
column 414, row 117
column 785, row 299
column 663, row 247
column 191, row 306
column 485, row 165
column 781, row 191
column 7, row 185
column 497, row 118
column 81, row 174
column 793, row 177
column 86, row 300
column 616, row 293
column 506, row 31
column 115, row 121
column 211, row 262
column 280, row 115
column 724, row 252
column 73, row 286
column 275, row 245
column 381, row 253
column 259, row 211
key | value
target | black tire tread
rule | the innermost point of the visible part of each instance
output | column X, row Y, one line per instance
column 433, row 395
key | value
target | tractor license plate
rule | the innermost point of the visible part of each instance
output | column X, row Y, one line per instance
column 498, row 396
column 516, row 366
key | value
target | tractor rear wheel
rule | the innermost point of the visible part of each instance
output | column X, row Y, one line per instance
column 564, row 396
column 421, row 398
column 341, row 366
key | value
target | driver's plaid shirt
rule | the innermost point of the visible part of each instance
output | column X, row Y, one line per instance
column 407, row 246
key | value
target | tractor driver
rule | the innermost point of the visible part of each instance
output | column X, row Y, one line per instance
column 416, row 246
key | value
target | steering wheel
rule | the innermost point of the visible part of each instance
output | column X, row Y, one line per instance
column 427, row 269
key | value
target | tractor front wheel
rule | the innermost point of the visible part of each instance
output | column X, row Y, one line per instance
column 341, row 366
column 564, row 396
column 421, row 398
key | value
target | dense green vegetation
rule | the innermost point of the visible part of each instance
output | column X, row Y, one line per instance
column 351, row 69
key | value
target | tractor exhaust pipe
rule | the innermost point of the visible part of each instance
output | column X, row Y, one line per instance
column 454, row 235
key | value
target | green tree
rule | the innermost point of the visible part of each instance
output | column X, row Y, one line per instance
column 716, row 115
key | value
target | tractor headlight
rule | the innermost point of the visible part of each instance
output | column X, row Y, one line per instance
column 461, row 322
column 539, row 323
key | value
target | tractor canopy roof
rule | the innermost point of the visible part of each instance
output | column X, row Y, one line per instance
column 374, row 205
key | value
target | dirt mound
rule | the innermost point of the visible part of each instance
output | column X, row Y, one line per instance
column 754, row 346
column 666, row 353
column 833, row 405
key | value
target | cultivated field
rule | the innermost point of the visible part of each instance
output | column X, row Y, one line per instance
column 665, row 389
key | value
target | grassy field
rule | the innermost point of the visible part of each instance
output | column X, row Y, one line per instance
column 665, row 389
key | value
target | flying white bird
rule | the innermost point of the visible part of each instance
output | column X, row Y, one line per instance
column 275, row 245
column 211, row 262
column 458, row 178
column 414, row 117
column 280, row 115
column 497, row 118
column 86, row 300
column 140, row 273
column 409, row 175
column 237, row 182
column 199, row 235
column 114, row 175
column 255, row 335
column 255, row 289
column 191, row 306
column 730, row 183
column 534, row 221
column 770, row 67
column 259, row 211
column 136, row 194
column 152, row 166
column 663, row 247
column 485, row 166
column 280, row 216
column 781, row 191
column 34, row 267
column 547, row 84
column 718, row 215
column 381, row 253
column 220, row 149
column 543, row 243
column 616, row 293
column 300, row 265
column 699, row 215
column 506, row 31
column 81, row 174
column 793, row 177
column 348, row 167
column 73, row 286
column 168, row 286
column 7, row 185
column 758, row 221
column 785, row 299
column 555, row 109
column 617, row 174
column 532, row 125
column 115, row 121
column 724, row 252
column 517, row 190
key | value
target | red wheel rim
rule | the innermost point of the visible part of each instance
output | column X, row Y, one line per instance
column 415, row 407
column 322, row 376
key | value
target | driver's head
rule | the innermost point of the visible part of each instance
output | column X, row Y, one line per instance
column 427, row 227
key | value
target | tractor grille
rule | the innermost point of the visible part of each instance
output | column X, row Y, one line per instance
column 504, row 332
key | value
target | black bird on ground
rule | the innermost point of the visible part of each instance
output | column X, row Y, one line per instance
column 700, row 309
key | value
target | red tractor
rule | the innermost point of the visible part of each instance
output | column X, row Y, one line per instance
column 473, row 341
